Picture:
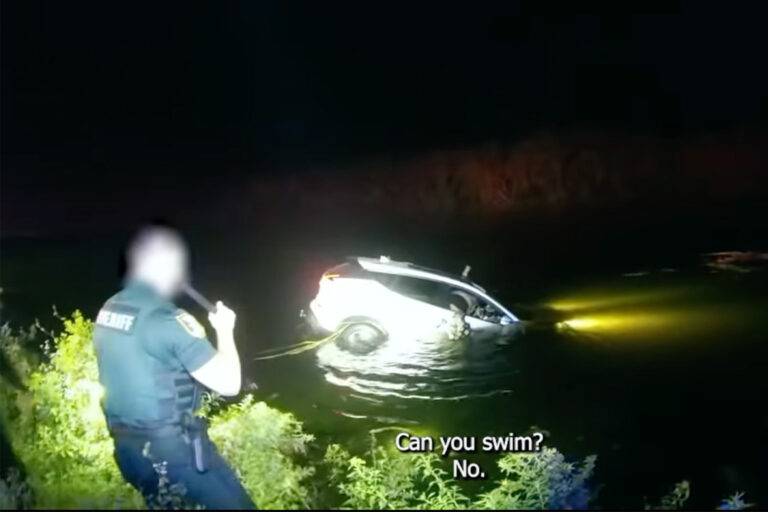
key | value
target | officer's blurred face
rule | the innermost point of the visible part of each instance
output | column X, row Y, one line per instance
column 159, row 259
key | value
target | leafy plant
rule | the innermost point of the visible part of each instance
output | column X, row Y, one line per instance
column 261, row 444
column 674, row 499
column 542, row 480
column 393, row 481
column 734, row 502
column 56, row 427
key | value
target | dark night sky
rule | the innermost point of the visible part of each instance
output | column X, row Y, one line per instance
column 106, row 94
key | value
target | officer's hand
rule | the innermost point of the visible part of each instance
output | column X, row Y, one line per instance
column 223, row 319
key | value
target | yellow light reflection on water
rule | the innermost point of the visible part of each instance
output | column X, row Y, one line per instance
column 580, row 323
column 613, row 298
column 618, row 321
column 646, row 313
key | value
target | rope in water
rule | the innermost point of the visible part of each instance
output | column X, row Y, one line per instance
column 297, row 348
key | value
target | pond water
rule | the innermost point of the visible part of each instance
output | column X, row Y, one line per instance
column 633, row 349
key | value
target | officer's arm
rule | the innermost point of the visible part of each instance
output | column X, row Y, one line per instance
column 222, row 372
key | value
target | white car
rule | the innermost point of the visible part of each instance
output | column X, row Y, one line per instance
column 368, row 300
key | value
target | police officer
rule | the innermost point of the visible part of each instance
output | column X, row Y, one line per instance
column 154, row 362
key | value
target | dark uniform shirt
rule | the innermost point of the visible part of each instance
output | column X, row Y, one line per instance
column 146, row 348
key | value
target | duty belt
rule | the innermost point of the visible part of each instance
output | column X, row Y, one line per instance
column 120, row 429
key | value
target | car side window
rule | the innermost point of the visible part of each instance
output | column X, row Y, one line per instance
column 419, row 289
column 387, row 280
column 475, row 306
column 443, row 296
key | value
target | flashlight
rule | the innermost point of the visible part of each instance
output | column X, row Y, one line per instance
column 198, row 297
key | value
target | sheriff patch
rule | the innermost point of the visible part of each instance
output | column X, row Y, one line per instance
column 190, row 324
column 117, row 316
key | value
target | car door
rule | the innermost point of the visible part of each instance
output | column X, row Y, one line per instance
column 419, row 305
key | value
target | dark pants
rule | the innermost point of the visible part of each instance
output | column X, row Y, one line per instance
column 216, row 488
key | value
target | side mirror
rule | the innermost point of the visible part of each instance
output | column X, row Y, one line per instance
column 505, row 320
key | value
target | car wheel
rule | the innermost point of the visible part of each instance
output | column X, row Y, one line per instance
column 361, row 337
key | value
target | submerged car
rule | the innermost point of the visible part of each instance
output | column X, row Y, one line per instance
column 368, row 300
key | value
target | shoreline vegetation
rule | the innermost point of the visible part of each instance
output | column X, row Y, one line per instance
column 62, row 453
column 556, row 172
column 544, row 171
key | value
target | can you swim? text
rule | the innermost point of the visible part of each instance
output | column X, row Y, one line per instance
column 447, row 445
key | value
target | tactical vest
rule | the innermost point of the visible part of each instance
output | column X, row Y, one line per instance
column 167, row 394
column 189, row 395
column 179, row 409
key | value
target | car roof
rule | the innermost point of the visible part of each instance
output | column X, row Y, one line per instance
column 386, row 265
